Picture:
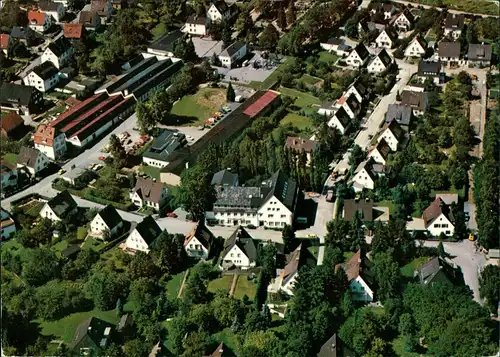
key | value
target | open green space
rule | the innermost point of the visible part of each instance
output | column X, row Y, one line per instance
column 298, row 121
column 222, row 283
column 228, row 337
column 302, row 100
column 10, row 158
column 151, row 171
column 474, row 6
column 65, row 328
column 273, row 77
column 198, row 107
column 92, row 243
column 174, row 284
column 409, row 269
column 314, row 251
column 327, row 57
column 348, row 255
column 245, row 287
column 158, row 31
column 309, row 80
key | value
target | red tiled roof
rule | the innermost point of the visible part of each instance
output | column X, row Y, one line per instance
column 11, row 121
column 72, row 101
column 4, row 41
column 73, row 30
column 36, row 18
column 45, row 135
column 74, row 110
column 433, row 211
column 255, row 108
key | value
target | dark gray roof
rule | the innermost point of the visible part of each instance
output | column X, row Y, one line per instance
column 165, row 144
column 71, row 250
column 203, row 234
column 221, row 6
column 449, row 49
column 27, row 156
column 479, row 52
column 416, row 100
column 353, row 206
column 435, row 270
column 62, row 203
column 92, row 328
column 46, row 70
column 282, row 187
column 60, row 46
column 383, row 148
column 334, row 41
column 125, row 321
column 224, row 178
column 385, row 57
column 334, row 347
column 47, row 5
column 166, row 42
column 362, row 90
column 368, row 166
column 242, row 199
column 198, row 20
column 343, row 117
column 244, row 241
column 110, row 216
column 232, row 49
column 454, row 21
column 21, row 32
column 400, row 113
column 148, row 229
column 11, row 93
column 362, row 51
column 426, row 68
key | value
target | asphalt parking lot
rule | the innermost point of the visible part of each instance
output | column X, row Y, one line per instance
column 205, row 47
column 248, row 73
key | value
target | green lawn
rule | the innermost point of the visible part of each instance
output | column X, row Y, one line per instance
column 92, row 243
column 327, row 57
column 174, row 284
column 387, row 203
column 223, row 283
column 314, row 251
column 59, row 247
column 398, row 346
column 65, row 328
column 298, row 121
column 151, row 171
column 34, row 209
column 309, row 80
column 10, row 158
column 158, row 31
column 409, row 269
column 302, row 100
column 348, row 255
column 245, row 287
column 200, row 106
column 228, row 337
column 273, row 77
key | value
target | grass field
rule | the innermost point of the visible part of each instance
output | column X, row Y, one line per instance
column 151, row 171
column 474, row 6
column 314, row 251
column 10, row 158
column 228, row 337
column 158, row 31
column 409, row 269
column 92, row 243
column 65, row 328
column 174, row 284
column 348, row 255
column 309, row 80
column 298, row 121
column 327, row 57
column 223, row 283
column 302, row 100
column 200, row 106
column 245, row 287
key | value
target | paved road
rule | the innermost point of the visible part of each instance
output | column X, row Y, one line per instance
column 449, row 10
column 464, row 255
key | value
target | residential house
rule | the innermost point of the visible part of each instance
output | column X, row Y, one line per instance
column 196, row 25
column 385, row 39
column 380, row 63
column 385, row 9
column 449, row 53
column 218, row 11
column 453, row 25
column 58, row 52
column 106, row 221
column 366, row 174
column 233, row 54
column 416, row 48
column 403, row 21
column 10, row 124
column 5, row 43
column 164, row 46
column 73, row 31
column 438, row 218
column 50, row 141
column 24, row 35
column 39, row 21
column 240, row 251
column 161, row 151
column 358, row 56
column 400, row 113
column 9, row 175
column 103, row 8
column 287, row 277
column 25, row 99
column 54, row 9
column 360, row 279
column 432, row 70
column 33, row 160
column 340, row 120
column 393, row 134
column 43, row 77
column 380, row 153
column 149, row 193
column 59, row 207
column 90, row 20
column 334, row 347
column 224, row 178
column 298, row 146
column 479, row 55
column 143, row 235
column 436, row 270
column 359, row 90
column 366, row 210
column 221, row 351
column 417, row 101
column 336, row 45
column 350, row 104
column 7, row 225
column 91, row 337
column 199, row 242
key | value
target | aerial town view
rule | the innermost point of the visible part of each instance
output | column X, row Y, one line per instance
column 250, row 178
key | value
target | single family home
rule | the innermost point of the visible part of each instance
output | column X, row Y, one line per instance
column 50, row 141
column 358, row 56
column 59, row 207
column 340, row 120
column 142, row 236
column 73, row 31
column 240, row 251
column 90, row 20
column 438, row 218
column 380, row 153
column 430, row 69
column 9, row 175
column 385, row 39
column 359, row 90
column 39, row 21
column 416, row 48
column 91, row 337
column 233, row 54
column 106, row 222
column 403, row 21
column 417, row 101
column 224, row 178
column 43, row 77
column 436, row 270
column 149, row 193
column 335, row 347
column 453, row 25
column 479, row 55
column 393, row 134
column 58, row 52
column 11, row 125
column 54, row 9
column 199, row 242
column 380, row 63
column 449, row 53
column 299, row 146
column 218, row 11
column 196, row 25
column 103, row 8
column 400, row 113
column 26, row 99
column 359, row 276
column 366, row 174
column 25, row 35
column 32, row 160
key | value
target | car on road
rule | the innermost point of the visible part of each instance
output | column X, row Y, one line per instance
column 61, row 171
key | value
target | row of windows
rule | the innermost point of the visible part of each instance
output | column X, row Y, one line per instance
column 444, row 225
column 273, row 209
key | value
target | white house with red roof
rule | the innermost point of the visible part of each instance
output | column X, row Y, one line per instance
column 438, row 218
column 149, row 193
column 358, row 275
column 50, row 141
column 39, row 21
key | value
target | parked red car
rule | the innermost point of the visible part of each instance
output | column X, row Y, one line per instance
column 102, row 158
column 171, row 214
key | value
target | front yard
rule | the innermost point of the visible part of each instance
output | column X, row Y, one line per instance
column 245, row 287
column 195, row 109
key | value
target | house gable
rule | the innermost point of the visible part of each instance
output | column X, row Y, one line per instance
column 48, row 212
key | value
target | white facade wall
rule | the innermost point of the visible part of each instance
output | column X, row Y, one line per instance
column 275, row 214
column 402, row 22
column 390, row 138
column 136, row 242
column 237, row 218
column 354, row 60
column 59, row 62
column 455, row 33
column 195, row 29
column 42, row 161
column 154, row 162
column 228, row 61
column 441, row 225
column 414, row 49
column 377, row 157
column 98, row 227
column 236, row 257
column 56, row 151
column 383, row 40
column 32, row 79
column 376, row 66
column 288, row 287
column 329, row 47
column 352, row 90
column 335, row 123
column 195, row 249
column 42, row 27
column 214, row 14
column 47, row 212
column 360, row 291
column 363, row 179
